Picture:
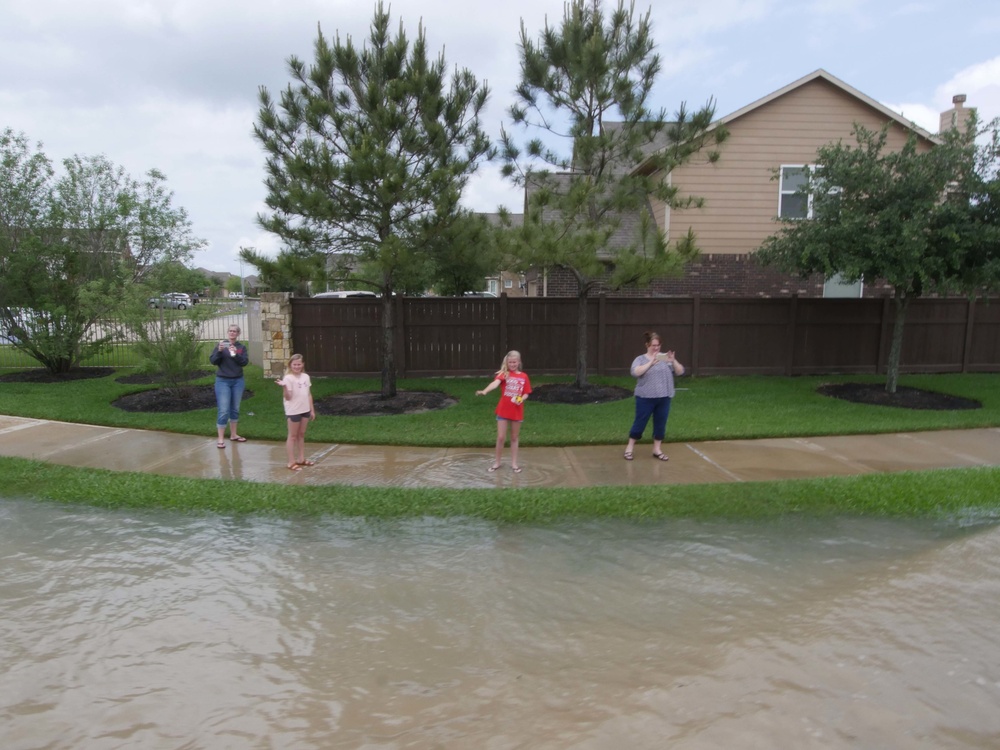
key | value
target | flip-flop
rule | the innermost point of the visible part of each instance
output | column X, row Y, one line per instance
column 493, row 468
column 306, row 463
column 220, row 445
column 238, row 439
column 517, row 469
column 628, row 455
column 294, row 467
column 661, row 457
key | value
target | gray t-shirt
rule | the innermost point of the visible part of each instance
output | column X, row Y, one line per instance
column 656, row 382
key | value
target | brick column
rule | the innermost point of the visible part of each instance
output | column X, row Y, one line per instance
column 276, row 332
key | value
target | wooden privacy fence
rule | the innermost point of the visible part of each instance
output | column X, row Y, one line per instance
column 441, row 336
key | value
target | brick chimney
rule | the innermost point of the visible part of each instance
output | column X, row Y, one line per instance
column 957, row 116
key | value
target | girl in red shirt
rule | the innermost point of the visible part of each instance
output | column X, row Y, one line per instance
column 516, row 388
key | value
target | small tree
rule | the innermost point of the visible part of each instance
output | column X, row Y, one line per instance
column 71, row 245
column 464, row 255
column 291, row 271
column 919, row 219
column 367, row 155
column 587, row 84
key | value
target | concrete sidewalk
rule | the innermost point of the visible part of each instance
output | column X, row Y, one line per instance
column 167, row 453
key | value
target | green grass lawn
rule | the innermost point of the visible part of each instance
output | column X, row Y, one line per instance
column 704, row 409
column 710, row 408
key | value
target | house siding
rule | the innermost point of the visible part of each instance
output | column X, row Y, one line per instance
column 741, row 196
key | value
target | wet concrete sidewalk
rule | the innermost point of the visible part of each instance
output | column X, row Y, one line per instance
column 121, row 449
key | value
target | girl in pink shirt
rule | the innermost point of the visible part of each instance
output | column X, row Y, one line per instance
column 516, row 388
column 299, row 409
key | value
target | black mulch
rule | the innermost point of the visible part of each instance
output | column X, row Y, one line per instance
column 41, row 375
column 138, row 379
column 372, row 404
column 874, row 394
column 188, row 398
column 567, row 393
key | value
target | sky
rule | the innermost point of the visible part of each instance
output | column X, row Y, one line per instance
column 172, row 84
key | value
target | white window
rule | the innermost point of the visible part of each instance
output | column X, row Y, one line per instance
column 493, row 287
column 835, row 286
column 508, row 283
column 792, row 203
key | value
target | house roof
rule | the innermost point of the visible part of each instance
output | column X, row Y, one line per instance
column 822, row 75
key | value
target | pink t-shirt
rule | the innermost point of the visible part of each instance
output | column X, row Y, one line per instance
column 299, row 386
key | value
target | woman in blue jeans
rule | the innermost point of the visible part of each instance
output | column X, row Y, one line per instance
column 654, row 388
column 230, row 357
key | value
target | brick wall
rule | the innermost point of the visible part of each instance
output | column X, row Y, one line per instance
column 719, row 275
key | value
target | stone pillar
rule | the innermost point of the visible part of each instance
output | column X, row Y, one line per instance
column 276, row 332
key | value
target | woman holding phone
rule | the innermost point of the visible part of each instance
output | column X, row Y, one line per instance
column 229, row 357
column 654, row 372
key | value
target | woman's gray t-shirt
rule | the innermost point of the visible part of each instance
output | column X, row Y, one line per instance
column 656, row 382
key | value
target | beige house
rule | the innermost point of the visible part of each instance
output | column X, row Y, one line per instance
column 757, row 179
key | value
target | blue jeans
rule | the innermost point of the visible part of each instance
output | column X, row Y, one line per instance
column 658, row 409
column 228, row 393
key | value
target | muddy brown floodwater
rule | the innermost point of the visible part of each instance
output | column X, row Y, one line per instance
column 158, row 630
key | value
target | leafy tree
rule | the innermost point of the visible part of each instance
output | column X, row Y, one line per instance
column 175, row 277
column 234, row 284
column 291, row 271
column 922, row 220
column 574, row 80
column 71, row 244
column 367, row 153
column 168, row 342
column 465, row 255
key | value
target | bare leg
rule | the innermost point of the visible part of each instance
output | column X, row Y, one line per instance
column 630, row 447
column 233, row 432
column 222, row 434
column 515, row 433
column 290, row 442
column 501, row 439
column 656, row 446
column 300, row 440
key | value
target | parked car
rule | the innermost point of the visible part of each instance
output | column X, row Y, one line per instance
column 342, row 295
column 236, row 295
column 171, row 301
column 479, row 294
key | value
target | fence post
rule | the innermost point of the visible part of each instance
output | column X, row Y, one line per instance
column 970, row 324
column 502, row 322
column 882, row 365
column 601, row 339
column 793, row 314
column 695, row 325
column 276, row 332
column 399, row 340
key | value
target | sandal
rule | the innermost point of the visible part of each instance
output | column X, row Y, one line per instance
column 220, row 445
column 294, row 467
column 661, row 457
column 238, row 439
column 628, row 455
column 306, row 463
column 517, row 469
column 493, row 468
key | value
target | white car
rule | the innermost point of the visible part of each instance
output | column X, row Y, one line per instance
column 342, row 295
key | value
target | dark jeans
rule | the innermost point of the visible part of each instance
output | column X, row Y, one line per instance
column 658, row 409
column 228, row 392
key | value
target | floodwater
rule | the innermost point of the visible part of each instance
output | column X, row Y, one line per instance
column 156, row 630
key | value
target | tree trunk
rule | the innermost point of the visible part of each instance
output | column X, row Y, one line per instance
column 896, row 348
column 388, row 346
column 581, row 338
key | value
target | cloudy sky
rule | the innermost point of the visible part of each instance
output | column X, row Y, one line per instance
column 172, row 84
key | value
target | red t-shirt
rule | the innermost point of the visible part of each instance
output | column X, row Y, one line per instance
column 515, row 384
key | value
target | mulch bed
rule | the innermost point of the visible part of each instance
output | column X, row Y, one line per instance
column 371, row 404
column 188, row 398
column 874, row 394
column 138, row 379
column 41, row 375
column 567, row 393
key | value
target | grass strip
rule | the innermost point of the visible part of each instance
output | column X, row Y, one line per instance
column 943, row 493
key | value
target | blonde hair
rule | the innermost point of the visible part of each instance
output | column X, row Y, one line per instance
column 503, row 365
column 293, row 358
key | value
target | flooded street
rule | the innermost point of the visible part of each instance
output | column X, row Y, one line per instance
column 157, row 630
